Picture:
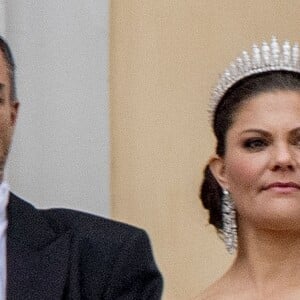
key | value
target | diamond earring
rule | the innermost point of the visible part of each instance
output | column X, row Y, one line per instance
column 229, row 222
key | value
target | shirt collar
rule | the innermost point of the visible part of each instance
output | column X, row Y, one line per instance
column 4, row 195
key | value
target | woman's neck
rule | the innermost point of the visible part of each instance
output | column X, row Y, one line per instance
column 268, row 259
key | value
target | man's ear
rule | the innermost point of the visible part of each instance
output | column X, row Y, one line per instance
column 217, row 167
column 14, row 112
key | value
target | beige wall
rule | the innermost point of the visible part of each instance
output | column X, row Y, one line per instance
column 165, row 57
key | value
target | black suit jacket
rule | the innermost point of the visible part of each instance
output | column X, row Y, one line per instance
column 64, row 254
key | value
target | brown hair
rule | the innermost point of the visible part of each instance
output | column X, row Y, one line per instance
column 10, row 67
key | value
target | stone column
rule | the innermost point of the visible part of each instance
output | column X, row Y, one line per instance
column 60, row 155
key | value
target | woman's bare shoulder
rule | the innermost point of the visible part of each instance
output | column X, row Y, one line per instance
column 226, row 288
column 218, row 290
column 211, row 293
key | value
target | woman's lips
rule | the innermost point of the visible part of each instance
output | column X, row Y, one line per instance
column 282, row 187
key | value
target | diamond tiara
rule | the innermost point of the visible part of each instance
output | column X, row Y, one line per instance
column 271, row 57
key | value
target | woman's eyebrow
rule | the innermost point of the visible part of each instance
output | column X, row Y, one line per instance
column 266, row 133
column 256, row 130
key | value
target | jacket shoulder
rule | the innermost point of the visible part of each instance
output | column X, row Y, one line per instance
column 108, row 258
column 85, row 225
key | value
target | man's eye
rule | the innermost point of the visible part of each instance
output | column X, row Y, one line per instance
column 255, row 144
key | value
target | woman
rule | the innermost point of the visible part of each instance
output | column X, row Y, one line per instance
column 252, row 184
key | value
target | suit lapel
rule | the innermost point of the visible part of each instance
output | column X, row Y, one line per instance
column 37, row 256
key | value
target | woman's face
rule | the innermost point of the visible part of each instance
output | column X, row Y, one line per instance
column 261, row 166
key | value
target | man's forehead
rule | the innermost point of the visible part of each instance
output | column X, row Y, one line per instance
column 4, row 78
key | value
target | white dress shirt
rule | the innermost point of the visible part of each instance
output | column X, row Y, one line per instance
column 4, row 195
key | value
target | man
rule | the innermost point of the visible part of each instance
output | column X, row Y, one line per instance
column 60, row 253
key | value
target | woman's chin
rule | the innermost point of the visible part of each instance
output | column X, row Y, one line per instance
column 278, row 214
column 279, row 221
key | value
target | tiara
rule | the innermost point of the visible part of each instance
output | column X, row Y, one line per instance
column 271, row 57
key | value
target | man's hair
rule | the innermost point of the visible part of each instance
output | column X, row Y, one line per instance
column 9, row 60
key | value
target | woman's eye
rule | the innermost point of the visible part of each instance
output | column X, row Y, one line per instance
column 255, row 144
column 297, row 141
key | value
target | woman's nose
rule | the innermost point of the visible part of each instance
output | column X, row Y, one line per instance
column 283, row 158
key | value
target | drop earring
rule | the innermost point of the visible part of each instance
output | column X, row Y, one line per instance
column 229, row 222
